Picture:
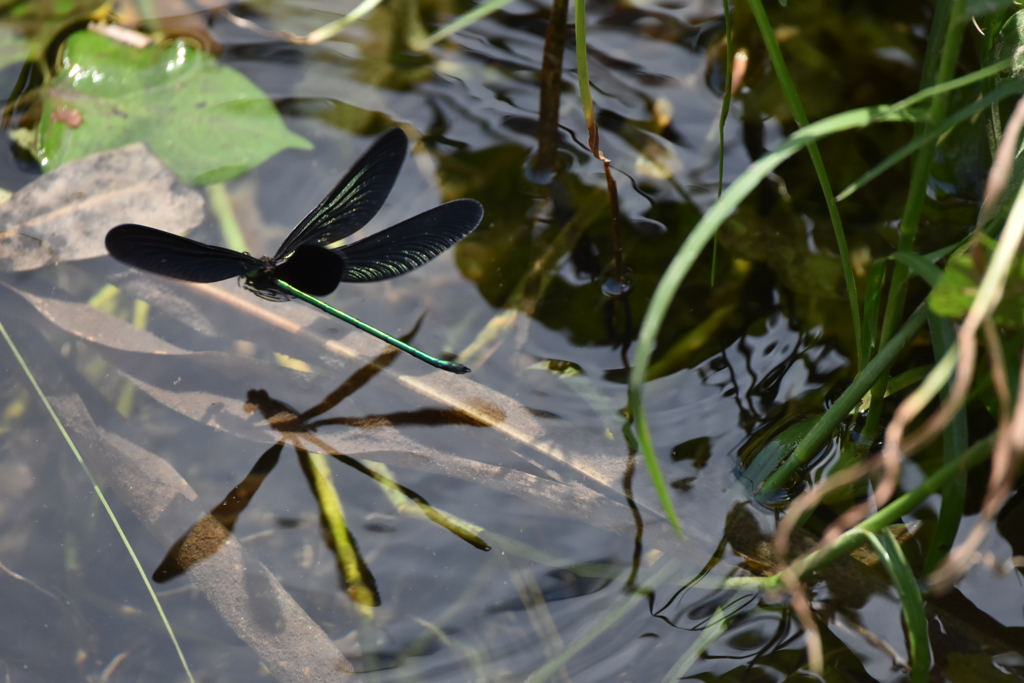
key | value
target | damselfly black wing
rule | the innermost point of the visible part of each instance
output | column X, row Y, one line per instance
column 411, row 243
column 355, row 199
column 171, row 255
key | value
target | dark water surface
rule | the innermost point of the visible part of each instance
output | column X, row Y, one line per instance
column 74, row 606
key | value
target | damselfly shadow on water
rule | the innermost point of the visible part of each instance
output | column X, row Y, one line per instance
column 298, row 429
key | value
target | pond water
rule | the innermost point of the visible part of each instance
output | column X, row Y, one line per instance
column 548, row 536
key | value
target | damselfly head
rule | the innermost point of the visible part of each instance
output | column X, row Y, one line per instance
column 262, row 285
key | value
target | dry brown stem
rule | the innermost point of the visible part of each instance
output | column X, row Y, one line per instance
column 802, row 608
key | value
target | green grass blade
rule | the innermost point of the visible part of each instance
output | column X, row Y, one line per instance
column 582, row 72
column 459, row 23
column 927, row 94
column 698, row 238
column 230, row 230
column 978, row 453
column 872, row 307
column 919, row 265
column 399, row 498
column 100, row 496
column 464, row 530
column 332, row 29
column 846, row 402
column 797, row 107
column 910, row 378
column 722, row 117
column 1008, row 88
column 920, row 176
column 954, row 442
column 895, row 563
column 643, row 433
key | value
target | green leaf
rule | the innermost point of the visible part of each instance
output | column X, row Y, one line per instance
column 767, row 459
column 956, row 289
column 1009, row 40
column 207, row 122
column 919, row 265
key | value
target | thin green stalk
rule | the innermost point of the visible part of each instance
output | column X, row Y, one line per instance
column 593, row 138
column 726, row 105
column 846, row 402
column 220, row 204
column 404, row 505
column 954, row 442
column 910, row 378
column 332, row 29
column 919, row 265
column 460, row 22
column 582, row 71
column 995, row 96
column 916, row 196
column 933, row 50
column 958, row 18
column 100, row 496
column 653, row 468
column 465, row 531
column 895, row 563
column 797, row 107
column 872, row 307
column 978, row 453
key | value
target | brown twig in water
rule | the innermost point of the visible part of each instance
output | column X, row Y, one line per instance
column 802, row 608
column 997, row 366
column 551, row 87
column 1005, row 461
